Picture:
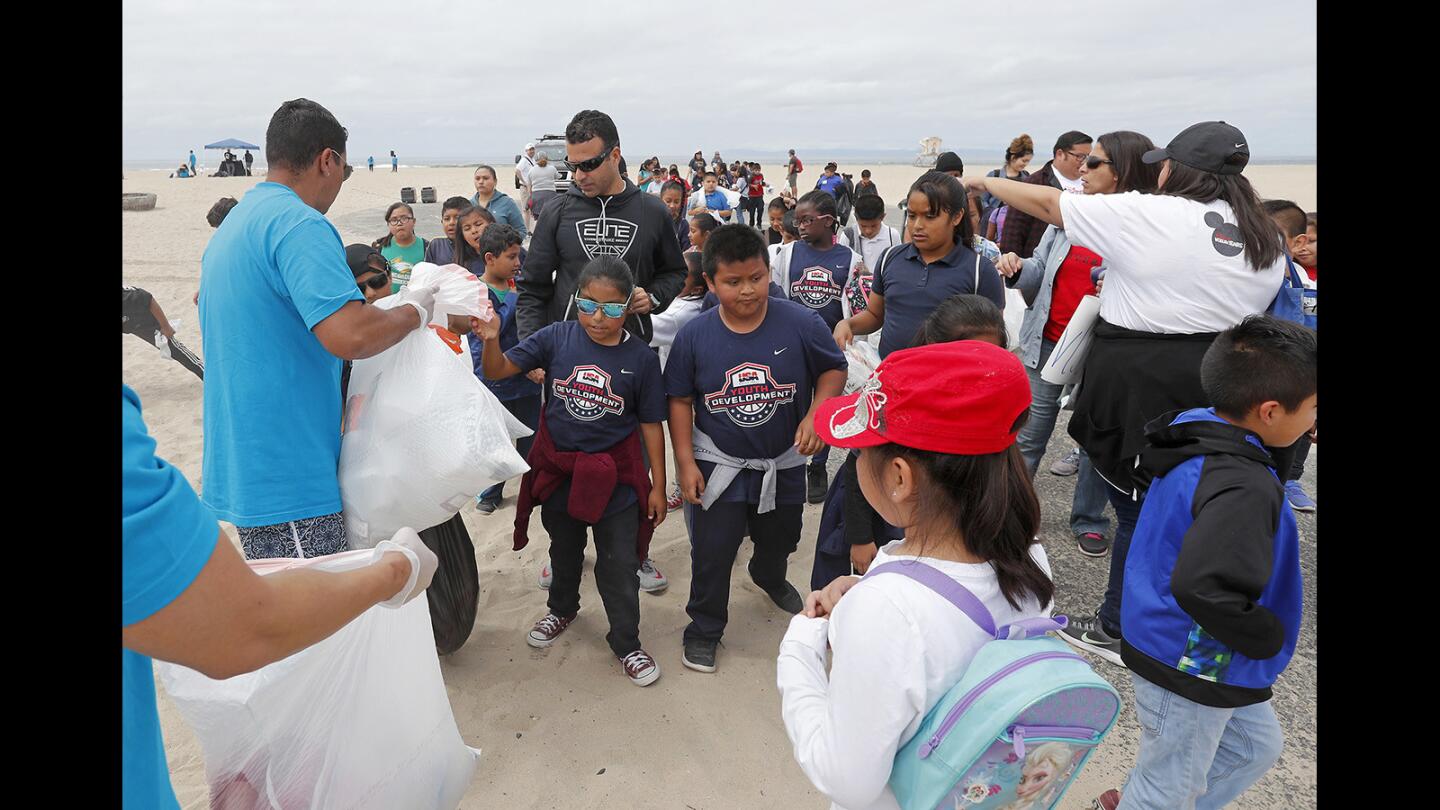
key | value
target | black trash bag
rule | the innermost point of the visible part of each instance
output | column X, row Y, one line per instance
column 454, row 593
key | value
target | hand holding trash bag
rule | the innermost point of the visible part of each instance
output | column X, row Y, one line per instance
column 422, row 298
column 423, row 563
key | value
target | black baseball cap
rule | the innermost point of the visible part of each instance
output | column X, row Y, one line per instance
column 949, row 162
column 1210, row 146
column 358, row 257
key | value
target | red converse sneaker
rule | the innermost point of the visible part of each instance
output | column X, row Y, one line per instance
column 545, row 631
column 640, row 668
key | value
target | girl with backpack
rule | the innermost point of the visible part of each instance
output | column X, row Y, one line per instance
column 936, row 427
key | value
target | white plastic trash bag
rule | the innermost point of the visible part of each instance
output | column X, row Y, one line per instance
column 459, row 291
column 862, row 358
column 1015, row 307
column 359, row 720
column 422, row 437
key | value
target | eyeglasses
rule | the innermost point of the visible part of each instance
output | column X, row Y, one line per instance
column 589, row 165
column 398, row 221
column 801, row 223
column 588, row 307
column 376, row 282
column 1075, row 155
column 1093, row 162
column 349, row 170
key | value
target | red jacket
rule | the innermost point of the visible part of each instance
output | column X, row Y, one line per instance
column 594, row 476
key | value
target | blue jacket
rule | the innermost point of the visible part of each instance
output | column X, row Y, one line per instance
column 504, row 210
column 1212, row 600
column 511, row 387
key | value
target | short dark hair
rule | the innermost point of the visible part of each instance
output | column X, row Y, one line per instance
column 709, row 173
column 776, row 202
column 869, row 206
column 1262, row 358
column 865, row 173
column 220, row 210
column 609, row 269
column 787, row 223
column 589, row 124
column 1069, row 139
column 453, row 204
column 300, row 130
column 730, row 244
column 1289, row 216
column 498, row 238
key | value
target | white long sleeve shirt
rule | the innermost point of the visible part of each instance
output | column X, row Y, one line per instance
column 898, row 648
column 666, row 325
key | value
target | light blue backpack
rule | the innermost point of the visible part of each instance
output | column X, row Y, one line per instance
column 1017, row 728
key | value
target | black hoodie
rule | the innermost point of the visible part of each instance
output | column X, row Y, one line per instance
column 575, row 229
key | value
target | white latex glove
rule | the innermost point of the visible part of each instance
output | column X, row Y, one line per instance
column 422, row 298
column 423, row 563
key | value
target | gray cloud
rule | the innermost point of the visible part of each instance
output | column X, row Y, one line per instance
column 432, row 78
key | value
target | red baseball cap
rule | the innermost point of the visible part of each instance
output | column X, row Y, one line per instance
column 961, row 398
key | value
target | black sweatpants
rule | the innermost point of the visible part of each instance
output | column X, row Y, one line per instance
column 715, row 536
column 615, row 566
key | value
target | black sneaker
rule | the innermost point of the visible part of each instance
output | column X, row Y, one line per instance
column 700, row 654
column 815, row 483
column 1086, row 634
column 788, row 599
column 1092, row 544
column 486, row 506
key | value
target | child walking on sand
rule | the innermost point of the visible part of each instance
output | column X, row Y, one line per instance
column 586, row 470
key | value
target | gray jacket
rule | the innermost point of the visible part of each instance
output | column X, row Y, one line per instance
column 1036, row 281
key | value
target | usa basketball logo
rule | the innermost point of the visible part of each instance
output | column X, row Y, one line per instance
column 815, row 288
column 750, row 395
column 587, row 395
column 605, row 237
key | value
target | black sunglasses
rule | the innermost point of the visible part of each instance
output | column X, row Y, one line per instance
column 1093, row 162
column 589, row 165
column 376, row 282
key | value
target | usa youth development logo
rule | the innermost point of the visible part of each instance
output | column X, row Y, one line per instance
column 815, row 288
column 587, row 394
column 605, row 237
column 750, row 395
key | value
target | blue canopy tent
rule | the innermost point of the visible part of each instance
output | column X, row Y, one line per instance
column 236, row 167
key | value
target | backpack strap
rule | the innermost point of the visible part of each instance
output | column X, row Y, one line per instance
column 967, row 602
column 977, row 272
column 884, row 260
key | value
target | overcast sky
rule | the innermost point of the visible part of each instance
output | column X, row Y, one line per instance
column 431, row 78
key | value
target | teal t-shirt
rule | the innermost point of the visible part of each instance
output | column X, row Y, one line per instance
column 273, row 270
column 402, row 260
column 166, row 537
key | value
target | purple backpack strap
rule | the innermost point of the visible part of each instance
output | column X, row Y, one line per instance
column 969, row 604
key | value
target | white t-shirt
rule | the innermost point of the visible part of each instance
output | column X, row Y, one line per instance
column 523, row 166
column 870, row 249
column 898, row 648
column 1066, row 184
column 1173, row 266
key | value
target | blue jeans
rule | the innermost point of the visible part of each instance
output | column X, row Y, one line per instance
column 527, row 410
column 1087, row 509
column 1127, row 514
column 1194, row 756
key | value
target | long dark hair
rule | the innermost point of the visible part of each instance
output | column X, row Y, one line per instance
column 963, row 316
column 464, row 254
column 384, row 241
column 1124, row 149
column 990, row 502
column 945, row 193
column 1264, row 244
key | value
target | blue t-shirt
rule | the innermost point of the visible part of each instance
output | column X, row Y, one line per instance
column 750, row 391
column 599, row 395
column 912, row 289
column 273, row 270
column 817, row 279
column 829, row 185
column 166, row 537
column 717, row 201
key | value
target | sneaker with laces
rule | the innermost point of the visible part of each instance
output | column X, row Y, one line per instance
column 546, row 575
column 1086, row 634
column 545, row 631
column 700, row 654
column 1092, row 544
column 1069, row 465
column 674, row 500
column 815, row 483
column 1109, row 800
column 486, row 506
column 1299, row 500
column 640, row 668
column 651, row 580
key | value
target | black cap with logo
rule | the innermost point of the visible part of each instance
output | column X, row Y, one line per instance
column 1210, row 146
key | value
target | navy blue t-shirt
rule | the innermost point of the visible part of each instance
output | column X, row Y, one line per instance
column 913, row 289
column 750, row 391
column 599, row 395
column 817, row 279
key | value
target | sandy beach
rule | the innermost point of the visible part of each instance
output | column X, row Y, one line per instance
column 563, row 727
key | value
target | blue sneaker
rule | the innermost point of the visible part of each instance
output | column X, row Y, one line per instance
column 1299, row 501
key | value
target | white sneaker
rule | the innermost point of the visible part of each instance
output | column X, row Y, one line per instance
column 640, row 668
column 546, row 576
column 651, row 580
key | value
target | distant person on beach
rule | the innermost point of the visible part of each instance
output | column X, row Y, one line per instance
column 1022, row 232
column 188, row 598
column 830, row 180
column 755, row 195
column 279, row 313
column 866, row 185
column 793, row 167
column 141, row 316
column 401, row 247
column 697, row 168
column 394, row 162
column 370, row 163
column 523, row 184
column 442, row 251
column 192, row 162
column 498, row 202
column 249, row 161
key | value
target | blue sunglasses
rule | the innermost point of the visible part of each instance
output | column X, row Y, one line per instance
column 588, row 307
